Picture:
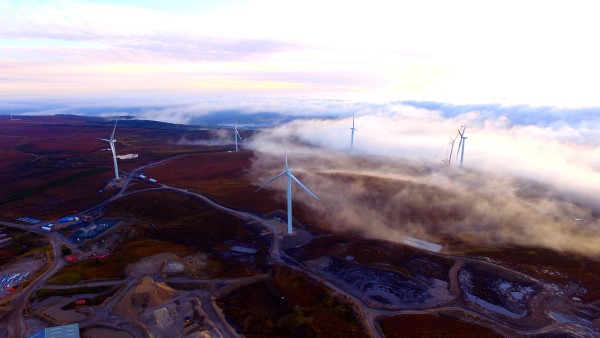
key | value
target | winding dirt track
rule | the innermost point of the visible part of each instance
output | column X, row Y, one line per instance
column 11, row 324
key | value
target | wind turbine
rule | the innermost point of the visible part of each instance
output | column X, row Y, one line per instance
column 352, row 136
column 290, row 177
column 237, row 135
column 461, row 144
column 112, row 141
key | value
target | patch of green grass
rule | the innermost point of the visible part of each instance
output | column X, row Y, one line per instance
column 66, row 277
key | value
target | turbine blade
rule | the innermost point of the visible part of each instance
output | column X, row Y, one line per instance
column 112, row 136
column 464, row 129
column 271, row 180
column 238, row 134
column 302, row 185
column 352, row 121
column 286, row 161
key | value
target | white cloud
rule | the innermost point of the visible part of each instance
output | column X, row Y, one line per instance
column 565, row 158
column 521, row 184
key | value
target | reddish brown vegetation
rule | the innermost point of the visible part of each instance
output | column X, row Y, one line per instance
column 290, row 305
column 266, row 310
column 57, row 196
column 20, row 244
column 45, row 156
column 11, row 163
column 66, row 147
column 114, row 265
column 407, row 326
column 221, row 176
column 378, row 254
column 169, row 216
column 180, row 218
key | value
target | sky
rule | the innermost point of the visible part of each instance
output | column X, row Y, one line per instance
column 462, row 51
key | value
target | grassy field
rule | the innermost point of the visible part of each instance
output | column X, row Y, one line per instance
column 53, row 165
column 221, row 176
column 53, row 184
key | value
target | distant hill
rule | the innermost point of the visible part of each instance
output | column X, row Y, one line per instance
column 128, row 116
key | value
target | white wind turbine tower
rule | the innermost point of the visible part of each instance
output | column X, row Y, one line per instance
column 112, row 141
column 352, row 135
column 461, row 144
column 290, row 177
column 237, row 135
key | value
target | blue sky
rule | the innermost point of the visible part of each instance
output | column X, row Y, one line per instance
column 179, row 7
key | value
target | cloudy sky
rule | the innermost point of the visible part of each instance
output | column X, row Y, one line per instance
column 512, row 52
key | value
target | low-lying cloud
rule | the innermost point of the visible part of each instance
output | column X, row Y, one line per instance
column 521, row 184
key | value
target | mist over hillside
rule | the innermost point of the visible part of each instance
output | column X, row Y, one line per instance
column 522, row 183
